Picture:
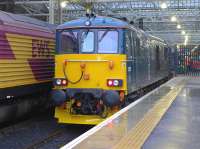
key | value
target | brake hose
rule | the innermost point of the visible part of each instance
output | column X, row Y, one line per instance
column 72, row 82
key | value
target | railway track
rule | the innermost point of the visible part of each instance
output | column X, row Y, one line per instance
column 41, row 132
column 58, row 137
column 45, row 140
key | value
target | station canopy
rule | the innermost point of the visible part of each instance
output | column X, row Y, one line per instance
column 176, row 21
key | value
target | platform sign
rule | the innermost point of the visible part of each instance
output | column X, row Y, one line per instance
column 187, row 60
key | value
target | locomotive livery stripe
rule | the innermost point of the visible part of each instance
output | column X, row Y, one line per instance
column 5, row 49
column 25, row 59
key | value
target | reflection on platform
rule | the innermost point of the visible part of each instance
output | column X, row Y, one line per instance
column 108, row 134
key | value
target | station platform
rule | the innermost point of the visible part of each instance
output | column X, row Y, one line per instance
column 167, row 117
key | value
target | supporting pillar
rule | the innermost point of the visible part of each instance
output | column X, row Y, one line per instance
column 51, row 11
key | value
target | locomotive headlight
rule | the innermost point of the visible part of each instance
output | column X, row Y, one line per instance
column 116, row 83
column 88, row 23
column 58, row 81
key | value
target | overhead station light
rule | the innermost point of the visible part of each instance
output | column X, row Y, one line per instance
column 183, row 32
column 186, row 40
column 163, row 5
column 178, row 26
column 63, row 4
column 185, row 43
column 186, row 37
column 173, row 19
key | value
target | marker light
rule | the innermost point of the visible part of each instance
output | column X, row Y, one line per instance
column 114, row 82
column 58, row 81
column 64, row 82
column 110, row 83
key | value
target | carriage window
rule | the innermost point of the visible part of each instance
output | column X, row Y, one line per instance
column 87, row 42
column 107, row 41
column 69, row 42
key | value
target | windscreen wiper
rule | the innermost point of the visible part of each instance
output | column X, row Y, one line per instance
column 86, row 33
column 104, row 34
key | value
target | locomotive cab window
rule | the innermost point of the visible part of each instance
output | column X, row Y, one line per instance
column 68, row 42
column 107, row 41
column 102, row 41
column 87, row 42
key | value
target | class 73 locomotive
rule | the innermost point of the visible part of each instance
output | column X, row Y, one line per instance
column 99, row 61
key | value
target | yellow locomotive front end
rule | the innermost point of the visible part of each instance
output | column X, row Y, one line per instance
column 90, row 75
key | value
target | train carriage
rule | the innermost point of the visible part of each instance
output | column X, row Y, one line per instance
column 27, row 52
column 194, row 59
column 99, row 61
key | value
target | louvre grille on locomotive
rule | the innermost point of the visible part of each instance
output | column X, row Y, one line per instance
column 99, row 61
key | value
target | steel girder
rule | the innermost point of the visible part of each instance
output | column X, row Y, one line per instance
column 157, row 21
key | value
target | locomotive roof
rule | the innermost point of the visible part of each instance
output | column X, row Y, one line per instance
column 98, row 21
column 18, row 19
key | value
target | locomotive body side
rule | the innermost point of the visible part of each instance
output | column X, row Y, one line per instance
column 26, row 56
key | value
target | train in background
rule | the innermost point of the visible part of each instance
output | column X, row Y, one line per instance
column 27, row 48
column 187, row 59
column 194, row 60
column 99, row 62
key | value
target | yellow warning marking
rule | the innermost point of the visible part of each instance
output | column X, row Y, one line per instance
column 138, row 135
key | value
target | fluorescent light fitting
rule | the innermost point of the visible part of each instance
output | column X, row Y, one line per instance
column 163, row 6
column 183, row 32
column 186, row 37
column 173, row 19
column 178, row 26
column 63, row 4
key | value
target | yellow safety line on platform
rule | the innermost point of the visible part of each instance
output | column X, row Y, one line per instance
column 138, row 135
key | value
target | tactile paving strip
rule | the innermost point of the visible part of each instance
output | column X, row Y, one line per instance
column 138, row 135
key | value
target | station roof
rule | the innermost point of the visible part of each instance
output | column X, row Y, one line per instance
column 157, row 20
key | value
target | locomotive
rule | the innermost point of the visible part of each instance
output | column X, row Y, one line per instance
column 99, row 61
column 27, row 50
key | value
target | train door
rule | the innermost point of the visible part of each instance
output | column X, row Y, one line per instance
column 130, row 61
